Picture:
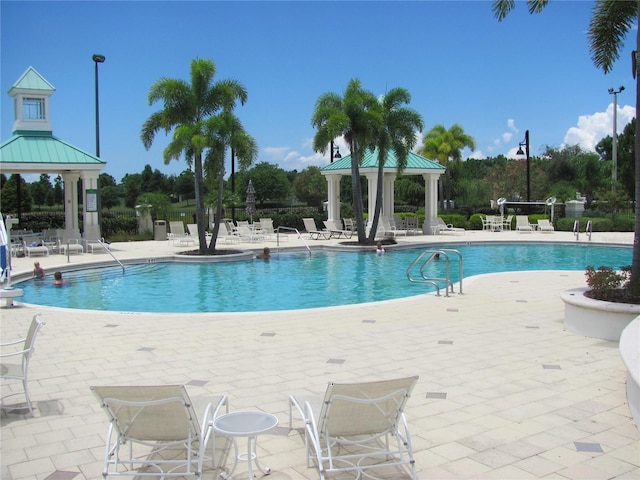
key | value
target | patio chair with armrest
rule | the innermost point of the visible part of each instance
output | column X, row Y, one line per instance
column 20, row 371
column 312, row 230
column 154, row 431
column 358, row 427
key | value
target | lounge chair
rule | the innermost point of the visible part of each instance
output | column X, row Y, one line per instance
column 545, row 226
column 20, row 371
column 71, row 245
column 412, row 224
column 193, row 232
column 225, row 235
column 349, row 224
column 266, row 228
column 336, row 231
column 522, row 224
column 248, row 235
column 441, row 227
column 178, row 236
column 358, row 427
column 312, row 230
column 35, row 248
column 154, row 431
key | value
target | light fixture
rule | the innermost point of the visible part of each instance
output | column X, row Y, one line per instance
column 336, row 150
column 525, row 144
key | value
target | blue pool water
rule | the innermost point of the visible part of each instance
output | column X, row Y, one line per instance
column 296, row 280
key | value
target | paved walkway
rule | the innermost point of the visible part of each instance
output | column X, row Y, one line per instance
column 504, row 391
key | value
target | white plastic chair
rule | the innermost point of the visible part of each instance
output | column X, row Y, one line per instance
column 20, row 371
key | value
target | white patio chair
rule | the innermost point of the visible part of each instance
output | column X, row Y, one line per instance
column 20, row 371
column 154, row 431
column 359, row 427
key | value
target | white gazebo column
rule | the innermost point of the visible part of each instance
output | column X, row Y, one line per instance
column 333, row 189
column 71, row 227
column 430, row 201
column 372, row 192
column 388, row 196
column 90, row 204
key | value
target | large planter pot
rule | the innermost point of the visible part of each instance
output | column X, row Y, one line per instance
column 595, row 318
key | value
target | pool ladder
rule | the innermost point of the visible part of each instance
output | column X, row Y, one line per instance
column 293, row 230
column 588, row 229
column 428, row 256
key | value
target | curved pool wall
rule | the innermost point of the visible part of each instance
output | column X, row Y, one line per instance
column 263, row 281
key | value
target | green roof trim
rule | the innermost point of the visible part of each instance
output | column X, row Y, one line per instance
column 370, row 160
column 32, row 80
column 43, row 147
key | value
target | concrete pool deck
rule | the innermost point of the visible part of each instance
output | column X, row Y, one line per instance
column 504, row 391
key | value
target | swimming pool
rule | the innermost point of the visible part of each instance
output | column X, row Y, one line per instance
column 292, row 281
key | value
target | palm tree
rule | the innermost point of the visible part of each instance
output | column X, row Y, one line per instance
column 224, row 132
column 357, row 117
column 398, row 134
column 446, row 146
column 611, row 22
column 186, row 108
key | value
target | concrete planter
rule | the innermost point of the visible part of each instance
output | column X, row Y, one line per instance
column 595, row 318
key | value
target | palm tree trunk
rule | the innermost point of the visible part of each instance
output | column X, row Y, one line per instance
column 378, row 207
column 216, row 224
column 202, row 239
column 357, row 192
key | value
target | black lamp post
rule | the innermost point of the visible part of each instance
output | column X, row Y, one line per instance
column 97, row 58
column 334, row 152
column 526, row 152
column 614, row 152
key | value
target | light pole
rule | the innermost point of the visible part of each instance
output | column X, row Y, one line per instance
column 526, row 152
column 334, row 152
column 97, row 58
column 614, row 152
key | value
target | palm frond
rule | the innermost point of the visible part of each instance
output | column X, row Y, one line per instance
column 610, row 23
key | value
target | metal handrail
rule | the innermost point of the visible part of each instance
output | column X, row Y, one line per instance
column 588, row 229
column 293, row 230
column 108, row 250
column 434, row 281
column 576, row 229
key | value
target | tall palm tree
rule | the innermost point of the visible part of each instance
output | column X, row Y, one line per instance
column 446, row 146
column 610, row 23
column 186, row 108
column 225, row 132
column 398, row 134
column 357, row 117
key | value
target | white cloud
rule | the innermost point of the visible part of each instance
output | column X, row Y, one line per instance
column 593, row 128
column 477, row 155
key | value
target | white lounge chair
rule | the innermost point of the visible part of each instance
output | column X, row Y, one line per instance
column 225, row 235
column 178, row 236
column 412, row 224
column 442, row 227
column 349, row 224
column 545, row 226
column 248, row 235
column 154, row 431
column 522, row 224
column 358, row 427
column 312, row 230
column 35, row 248
column 20, row 370
column 193, row 232
column 336, row 231
column 266, row 229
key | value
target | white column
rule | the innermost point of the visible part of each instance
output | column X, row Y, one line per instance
column 71, row 227
column 90, row 219
column 333, row 194
column 430, row 201
column 372, row 191
column 388, row 196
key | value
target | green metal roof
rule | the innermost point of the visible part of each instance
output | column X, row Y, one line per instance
column 32, row 80
column 26, row 147
column 370, row 160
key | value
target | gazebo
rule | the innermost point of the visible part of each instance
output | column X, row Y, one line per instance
column 416, row 165
column 34, row 150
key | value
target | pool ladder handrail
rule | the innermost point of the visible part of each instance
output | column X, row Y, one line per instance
column 587, row 230
column 434, row 281
column 106, row 248
column 576, row 229
column 293, row 230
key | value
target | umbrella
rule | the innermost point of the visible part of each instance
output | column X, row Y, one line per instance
column 251, row 201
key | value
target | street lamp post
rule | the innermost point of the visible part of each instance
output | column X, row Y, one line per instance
column 97, row 58
column 525, row 143
column 334, row 152
column 614, row 152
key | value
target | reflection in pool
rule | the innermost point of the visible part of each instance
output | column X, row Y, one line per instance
column 296, row 280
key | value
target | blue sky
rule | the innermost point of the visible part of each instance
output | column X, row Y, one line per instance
column 458, row 62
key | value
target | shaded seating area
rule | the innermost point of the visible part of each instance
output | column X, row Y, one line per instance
column 154, row 431
column 358, row 428
column 19, row 370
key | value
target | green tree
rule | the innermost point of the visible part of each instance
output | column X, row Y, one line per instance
column 110, row 196
column 626, row 156
column 40, row 189
column 9, row 195
column 446, row 146
column 155, row 203
column 357, row 117
column 58, row 190
column 132, row 183
column 310, row 187
column 185, row 185
column 611, row 22
column 397, row 135
column 186, row 109
column 225, row 132
column 270, row 182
